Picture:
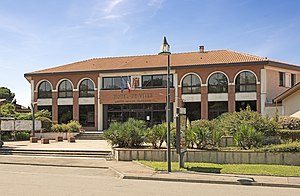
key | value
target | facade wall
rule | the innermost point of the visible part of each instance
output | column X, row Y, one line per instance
column 267, row 88
column 272, row 82
column 291, row 105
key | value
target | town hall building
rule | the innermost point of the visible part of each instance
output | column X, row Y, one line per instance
column 99, row 91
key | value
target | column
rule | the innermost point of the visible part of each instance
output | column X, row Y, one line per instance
column 54, row 107
column 204, row 102
column 76, row 104
column 231, row 98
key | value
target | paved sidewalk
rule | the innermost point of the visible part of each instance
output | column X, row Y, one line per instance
column 132, row 170
column 65, row 145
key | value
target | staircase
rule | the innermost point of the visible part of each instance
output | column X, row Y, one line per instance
column 90, row 136
column 58, row 153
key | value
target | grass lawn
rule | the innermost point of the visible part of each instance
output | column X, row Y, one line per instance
column 259, row 169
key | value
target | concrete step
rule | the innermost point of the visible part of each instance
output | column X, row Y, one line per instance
column 57, row 153
column 90, row 136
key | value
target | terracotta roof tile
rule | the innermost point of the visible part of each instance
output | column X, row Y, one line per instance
column 154, row 61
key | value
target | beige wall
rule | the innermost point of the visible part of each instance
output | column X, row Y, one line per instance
column 291, row 105
column 272, row 82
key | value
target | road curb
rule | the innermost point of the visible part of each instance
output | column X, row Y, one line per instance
column 133, row 177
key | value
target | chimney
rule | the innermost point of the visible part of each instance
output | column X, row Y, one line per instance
column 201, row 49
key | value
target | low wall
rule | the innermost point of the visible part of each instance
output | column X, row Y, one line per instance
column 222, row 157
column 53, row 135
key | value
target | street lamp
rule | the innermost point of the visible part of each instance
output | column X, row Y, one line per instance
column 165, row 50
column 33, row 119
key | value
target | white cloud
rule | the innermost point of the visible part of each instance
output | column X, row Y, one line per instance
column 111, row 5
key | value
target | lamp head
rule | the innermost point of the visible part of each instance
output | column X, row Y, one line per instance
column 165, row 47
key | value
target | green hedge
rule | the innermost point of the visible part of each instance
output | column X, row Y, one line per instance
column 289, row 134
column 72, row 126
column 288, row 147
column 291, row 123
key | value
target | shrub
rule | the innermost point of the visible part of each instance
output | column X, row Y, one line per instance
column 203, row 133
column 247, row 137
column 128, row 134
column 46, row 123
column 73, row 126
column 156, row 135
column 289, row 134
column 231, row 122
column 23, row 116
column 22, row 135
column 287, row 122
column 42, row 113
column 287, row 147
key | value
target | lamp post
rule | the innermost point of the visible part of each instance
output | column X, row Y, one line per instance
column 33, row 119
column 165, row 50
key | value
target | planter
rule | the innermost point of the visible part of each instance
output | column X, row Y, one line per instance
column 44, row 141
column 33, row 139
column 54, row 135
column 71, row 139
column 221, row 157
column 59, row 139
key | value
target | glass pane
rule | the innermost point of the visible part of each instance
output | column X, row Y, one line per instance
column 117, row 82
column 186, row 90
column 157, row 80
column 187, row 81
column 195, row 80
column 195, row 90
column 146, row 81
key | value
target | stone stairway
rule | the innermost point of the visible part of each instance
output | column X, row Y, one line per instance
column 90, row 136
column 57, row 153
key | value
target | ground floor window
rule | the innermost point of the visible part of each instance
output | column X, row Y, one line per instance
column 193, row 110
column 65, row 113
column 217, row 108
column 151, row 113
column 87, row 115
column 241, row 105
column 49, row 108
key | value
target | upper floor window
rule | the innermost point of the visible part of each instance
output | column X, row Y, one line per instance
column 65, row 89
column 245, row 82
column 217, row 83
column 156, row 81
column 191, row 84
column 86, row 88
column 293, row 80
column 45, row 90
column 120, row 82
column 281, row 79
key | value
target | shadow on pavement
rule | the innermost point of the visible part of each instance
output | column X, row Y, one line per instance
column 205, row 169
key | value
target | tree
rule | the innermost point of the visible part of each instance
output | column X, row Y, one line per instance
column 7, row 110
column 5, row 93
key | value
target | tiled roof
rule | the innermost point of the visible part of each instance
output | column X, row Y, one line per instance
column 154, row 61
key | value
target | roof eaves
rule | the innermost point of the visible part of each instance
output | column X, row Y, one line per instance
column 287, row 93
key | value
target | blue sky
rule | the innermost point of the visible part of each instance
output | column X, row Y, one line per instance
column 37, row 34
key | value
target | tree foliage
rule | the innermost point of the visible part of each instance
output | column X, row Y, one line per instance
column 5, row 93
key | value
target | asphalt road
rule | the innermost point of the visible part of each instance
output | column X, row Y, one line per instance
column 19, row 180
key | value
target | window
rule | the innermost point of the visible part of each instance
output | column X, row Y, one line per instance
column 217, row 83
column 242, row 105
column 65, row 113
column 245, row 82
column 65, row 89
column 116, row 82
column 293, row 79
column 281, row 79
column 86, row 88
column 191, row 84
column 44, row 90
column 217, row 108
column 193, row 110
column 156, row 81
column 87, row 115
